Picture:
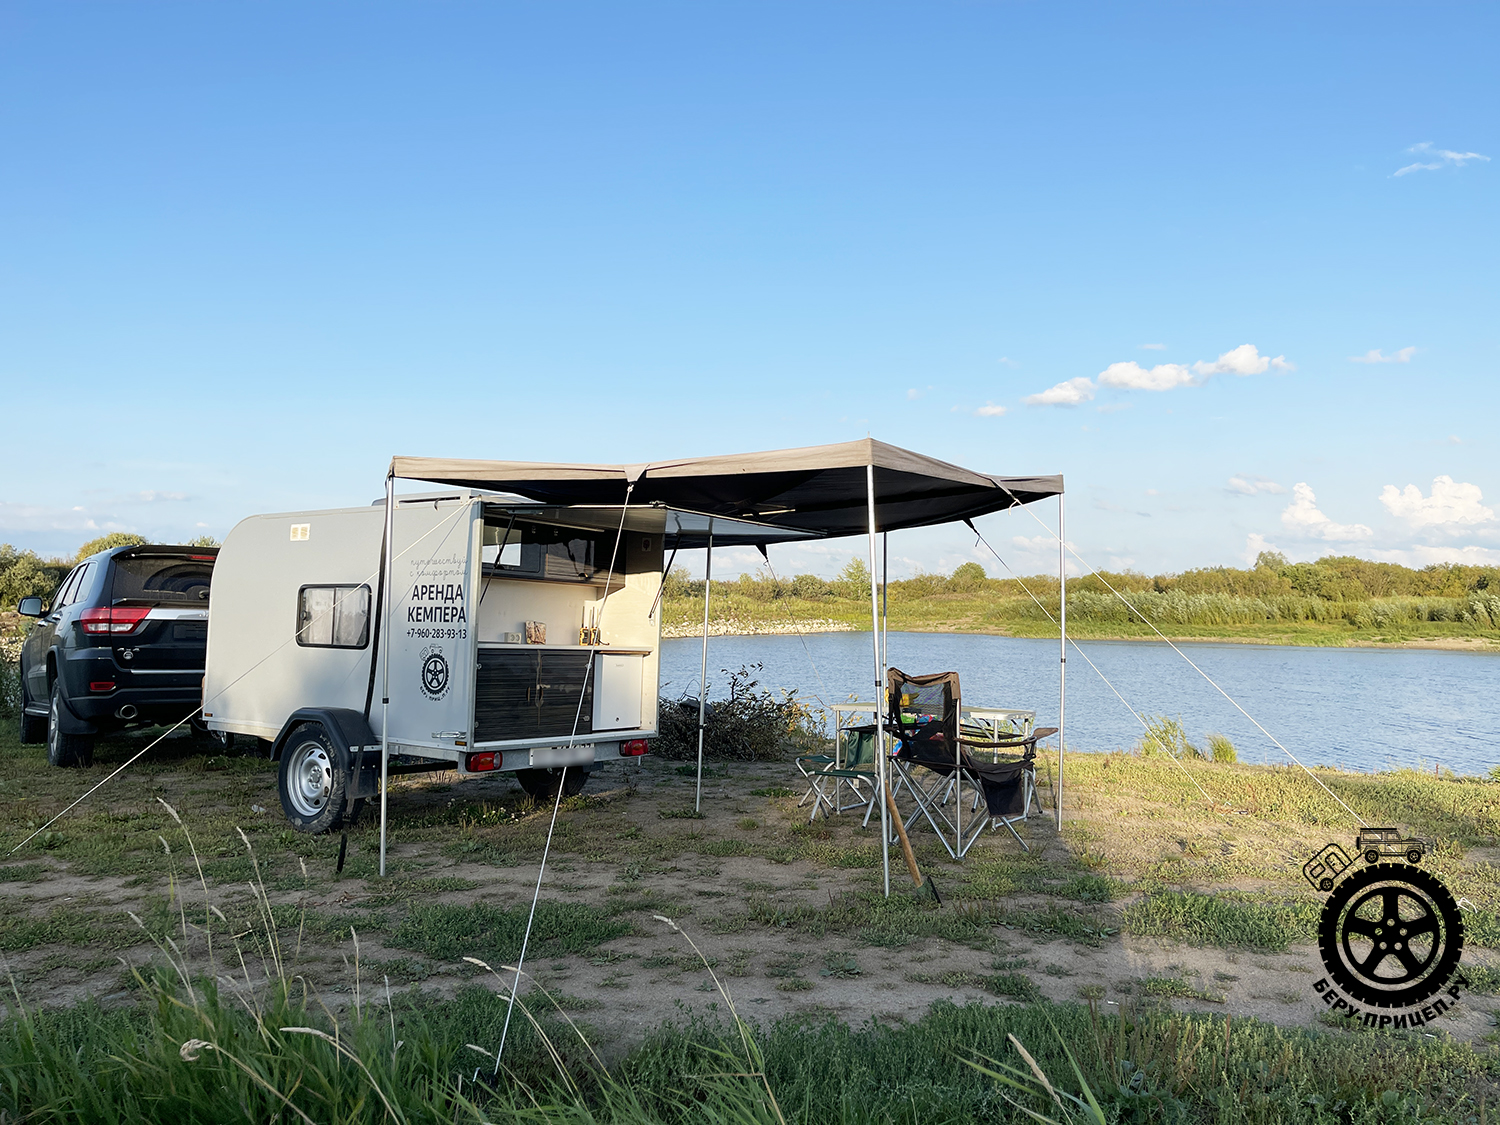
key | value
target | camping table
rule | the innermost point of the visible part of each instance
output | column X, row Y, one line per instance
column 997, row 721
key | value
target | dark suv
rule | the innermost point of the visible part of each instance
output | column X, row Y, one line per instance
column 122, row 644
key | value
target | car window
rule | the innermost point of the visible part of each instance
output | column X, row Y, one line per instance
column 162, row 579
column 80, row 583
column 65, row 591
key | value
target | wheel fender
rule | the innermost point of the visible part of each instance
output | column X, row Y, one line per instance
column 350, row 731
column 67, row 721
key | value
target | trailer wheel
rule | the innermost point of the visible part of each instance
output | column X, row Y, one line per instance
column 542, row 784
column 313, row 780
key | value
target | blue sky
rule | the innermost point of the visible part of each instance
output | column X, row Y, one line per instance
column 247, row 253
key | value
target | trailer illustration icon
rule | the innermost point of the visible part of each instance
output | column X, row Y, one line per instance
column 1323, row 870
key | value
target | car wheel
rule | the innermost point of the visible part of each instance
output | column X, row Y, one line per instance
column 66, row 750
column 313, row 780
column 1325, row 884
column 1414, row 855
column 542, row 784
column 1372, row 856
column 33, row 727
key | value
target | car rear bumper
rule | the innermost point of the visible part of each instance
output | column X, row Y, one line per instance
column 150, row 696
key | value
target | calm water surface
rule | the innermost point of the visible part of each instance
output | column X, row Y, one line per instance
column 1365, row 709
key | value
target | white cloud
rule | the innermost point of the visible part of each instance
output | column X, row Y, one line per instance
column 1451, row 504
column 1303, row 518
column 1445, row 158
column 1243, row 360
column 1247, row 485
column 1420, row 556
column 1154, row 347
column 1005, row 359
column 1069, row 393
column 914, row 393
column 990, row 410
column 37, row 517
column 1162, row 377
column 1255, row 543
column 1374, row 355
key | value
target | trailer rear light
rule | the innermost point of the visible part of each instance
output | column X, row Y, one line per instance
column 482, row 763
column 101, row 685
column 113, row 619
column 634, row 748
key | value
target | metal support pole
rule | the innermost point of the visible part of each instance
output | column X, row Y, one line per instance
column 880, row 758
column 385, row 650
column 708, row 590
column 1062, row 663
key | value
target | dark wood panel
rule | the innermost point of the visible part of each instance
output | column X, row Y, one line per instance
column 532, row 693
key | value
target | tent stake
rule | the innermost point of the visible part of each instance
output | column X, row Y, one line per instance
column 883, row 773
column 708, row 590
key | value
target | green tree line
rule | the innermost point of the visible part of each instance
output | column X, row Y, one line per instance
column 25, row 573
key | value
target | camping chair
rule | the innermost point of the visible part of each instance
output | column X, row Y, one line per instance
column 924, row 719
column 857, row 774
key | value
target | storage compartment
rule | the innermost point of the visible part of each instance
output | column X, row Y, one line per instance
column 617, row 700
column 532, row 693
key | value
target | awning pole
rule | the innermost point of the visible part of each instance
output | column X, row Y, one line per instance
column 885, row 821
column 708, row 589
column 1062, row 656
column 385, row 651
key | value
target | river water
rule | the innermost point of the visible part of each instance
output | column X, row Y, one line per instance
column 1357, row 708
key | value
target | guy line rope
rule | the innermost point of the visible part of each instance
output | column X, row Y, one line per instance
column 1212, row 683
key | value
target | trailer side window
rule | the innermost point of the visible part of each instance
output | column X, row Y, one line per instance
column 333, row 616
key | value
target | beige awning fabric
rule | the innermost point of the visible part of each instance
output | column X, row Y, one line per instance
column 818, row 490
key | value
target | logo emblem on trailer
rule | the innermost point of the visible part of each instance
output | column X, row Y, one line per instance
column 434, row 673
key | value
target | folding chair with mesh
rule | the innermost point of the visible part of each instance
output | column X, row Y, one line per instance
column 924, row 719
column 856, row 774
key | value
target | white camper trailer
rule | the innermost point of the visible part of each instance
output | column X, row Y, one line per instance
column 501, row 657
column 513, row 622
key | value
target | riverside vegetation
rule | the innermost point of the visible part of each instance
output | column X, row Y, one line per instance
column 1336, row 600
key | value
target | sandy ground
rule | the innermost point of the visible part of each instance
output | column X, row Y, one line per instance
column 651, row 975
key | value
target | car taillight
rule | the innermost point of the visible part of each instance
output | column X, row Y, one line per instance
column 101, row 685
column 113, row 619
column 482, row 763
column 634, row 748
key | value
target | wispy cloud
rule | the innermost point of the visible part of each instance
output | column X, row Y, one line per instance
column 1437, row 158
column 1005, row 359
column 1069, row 393
column 1375, row 355
column 1154, row 347
column 1132, row 376
column 1452, row 504
column 1243, row 360
column 990, row 410
column 1247, row 485
column 1302, row 517
column 913, row 393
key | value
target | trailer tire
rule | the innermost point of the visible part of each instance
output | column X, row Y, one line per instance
column 313, row 780
column 542, row 784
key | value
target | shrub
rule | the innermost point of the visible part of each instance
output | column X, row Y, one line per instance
column 107, row 542
column 751, row 725
column 967, row 579
column 1166, row 736
column 1220, row 749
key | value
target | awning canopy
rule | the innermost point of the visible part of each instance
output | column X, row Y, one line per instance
column 789, row 494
